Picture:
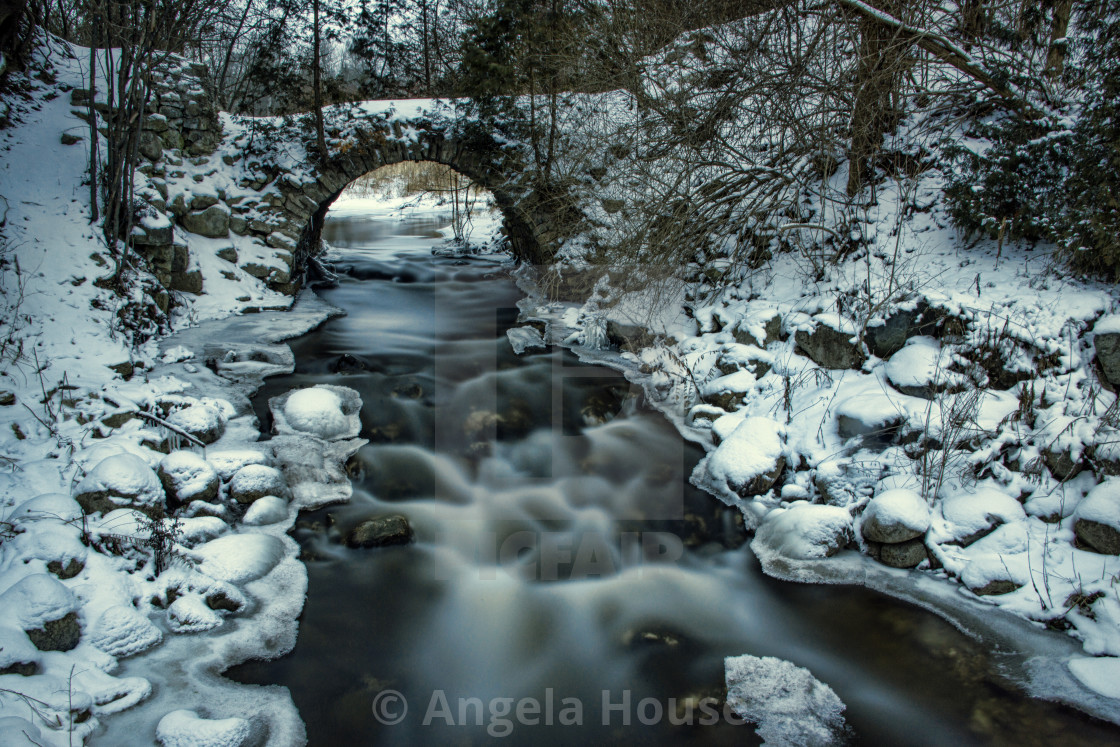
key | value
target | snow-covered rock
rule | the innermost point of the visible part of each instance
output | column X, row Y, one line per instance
column 18, row 655
column 43, row 608
column 121, row 480
column 188, row 729
column 969, row 516
column 750, row 459
column 187, row 477
column 873, row 416
column 1097, row 519
column 255, row 481
column 789, row 705
column 190, row 614
column 206, row 421
column 228, row 462
column 831, row 343
column 238, row 558
column 267, row 510
column 47, row 507
column 122, row 630
column 995, row 573
column 1106, row 341
column 524, row 338
column 920, row 369
column 325, row 411
column 895, row 516
column 804, row 531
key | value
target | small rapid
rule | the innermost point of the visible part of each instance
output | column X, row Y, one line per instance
column 560, row 556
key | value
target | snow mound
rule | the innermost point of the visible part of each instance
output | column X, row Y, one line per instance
column 206, row 421
column 254, row 481
column 920, row 367
column 16, row 648
column 805, row 531
column 524, row 338
column 122, row 479
column 122, row 630
column 789, row 705
column 1098, row 673
column 190, row 614
column 19, row 732
column 750, row 459
column 328, row 412
column 36, row 600
column 188, row 729
column 895, row 516
column 267, row 510
column 238, row 558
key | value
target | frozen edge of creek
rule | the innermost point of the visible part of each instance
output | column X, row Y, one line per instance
column 1031, row 657
column 185, row 671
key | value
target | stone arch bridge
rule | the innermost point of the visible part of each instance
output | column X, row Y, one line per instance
column 254, row 191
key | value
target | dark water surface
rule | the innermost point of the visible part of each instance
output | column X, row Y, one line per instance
column 560, row 554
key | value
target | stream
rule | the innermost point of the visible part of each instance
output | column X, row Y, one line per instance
column 560, row 556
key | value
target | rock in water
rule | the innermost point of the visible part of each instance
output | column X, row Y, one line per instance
column 895, row 516
column 381, row 531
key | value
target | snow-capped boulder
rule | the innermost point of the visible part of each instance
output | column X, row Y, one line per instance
column 187, row 477
column 56, row 544
column 239, row 558
column 804, row 531
column 832, row 343
column 759, row 327
column 989, row 574
column 1097, row 519
column 190, row 614
column 255, row 481
column 895, row 516
column 524, row 338
column 1106, row 340
column 325, row 411
column 789, row 705
column 122, row 630
column 266, row 510
column 750, row 459
column 206, row 421
column 18, row 654
column 873, row 417
column 920, row 369
column 43, row 608
column 188, row 729
column 885, row 337
column 970, row 516
column 120, row 481
column 228, row 462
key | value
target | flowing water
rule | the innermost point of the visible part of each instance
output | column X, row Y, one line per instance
column 561, row 563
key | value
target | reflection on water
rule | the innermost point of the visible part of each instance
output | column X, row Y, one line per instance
column 560, row 553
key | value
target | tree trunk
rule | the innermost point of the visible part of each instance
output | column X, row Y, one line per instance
column 317, row 87
column 1056, row 59
column 880, row 57
column 972, row 19
column 95, row 32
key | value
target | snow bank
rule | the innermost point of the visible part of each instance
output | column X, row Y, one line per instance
column 804, row 531
column 187, row 729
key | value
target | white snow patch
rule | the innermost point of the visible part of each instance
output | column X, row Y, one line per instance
column 1098, row 673
column 803, row 531
column 790, row 706
column 238, row 558
column 188, row 729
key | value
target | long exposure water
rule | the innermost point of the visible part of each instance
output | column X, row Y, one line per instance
column 560, row 554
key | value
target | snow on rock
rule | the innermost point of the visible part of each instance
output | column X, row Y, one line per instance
column 201, row 529
column 228, row 462
column 187, row 477
column 995, row 573
column 36, row 600
column 326, row 411
column 524, row 338
column 1097, row 518
column 206, row 421
column 1098, row 673
column 188, row 729
column 190, row 614
column 894, row 516
column 804, row 531
column 17, row 653
column 267, row 510
column 255, row 481
column 118, row 481
column 238, row 558
column 122, row 630
column 750, row 459
column 871, row 416
column 49, row 506
column 111, row 694
column 966, row 517
column 789, row 705
column 920, row 369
